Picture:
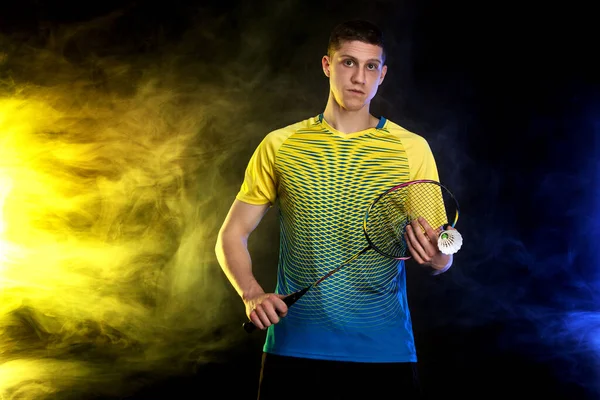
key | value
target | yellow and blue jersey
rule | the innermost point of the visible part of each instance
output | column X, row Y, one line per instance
column 322, row 182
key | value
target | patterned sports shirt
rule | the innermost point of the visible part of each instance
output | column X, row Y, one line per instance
column 322, row 181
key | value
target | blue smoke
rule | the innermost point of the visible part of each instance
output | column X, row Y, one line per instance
column 569, row 322
column 521, row 306
column 542, row 277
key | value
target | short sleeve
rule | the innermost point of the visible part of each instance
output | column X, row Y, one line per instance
column 423, row 166
column 421, row 161
column 260, row 182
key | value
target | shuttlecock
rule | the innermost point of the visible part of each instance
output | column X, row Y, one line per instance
column 449, row 241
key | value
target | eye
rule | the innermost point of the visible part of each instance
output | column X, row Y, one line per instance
column 372, row 67
column 348, row 63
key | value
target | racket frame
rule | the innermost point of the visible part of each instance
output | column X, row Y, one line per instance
column 398, row 187
column 293, row 297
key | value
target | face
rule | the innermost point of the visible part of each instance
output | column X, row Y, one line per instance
column 355, row 72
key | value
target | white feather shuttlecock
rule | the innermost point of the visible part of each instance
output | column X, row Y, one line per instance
column 449, row 241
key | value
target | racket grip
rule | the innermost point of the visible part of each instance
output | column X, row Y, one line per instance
column 288, row 300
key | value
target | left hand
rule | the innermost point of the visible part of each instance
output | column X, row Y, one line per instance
column 421, row 239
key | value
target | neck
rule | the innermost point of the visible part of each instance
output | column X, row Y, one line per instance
column 347, row 121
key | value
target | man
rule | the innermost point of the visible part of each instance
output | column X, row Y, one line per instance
column 351, row 336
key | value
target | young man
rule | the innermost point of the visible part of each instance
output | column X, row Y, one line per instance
column 351, row 336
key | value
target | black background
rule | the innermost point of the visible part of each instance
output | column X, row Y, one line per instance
column 506, row 94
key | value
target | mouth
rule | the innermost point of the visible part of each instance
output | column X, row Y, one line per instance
column 356, row 91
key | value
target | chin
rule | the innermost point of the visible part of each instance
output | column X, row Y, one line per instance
column 353, row 106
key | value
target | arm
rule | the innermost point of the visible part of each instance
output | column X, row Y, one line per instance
column 233, row 256
column 420, row 237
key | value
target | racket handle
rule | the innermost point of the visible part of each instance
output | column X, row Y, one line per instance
column 288, row 300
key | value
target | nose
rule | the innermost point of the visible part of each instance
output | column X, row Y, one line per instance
column 359, row 76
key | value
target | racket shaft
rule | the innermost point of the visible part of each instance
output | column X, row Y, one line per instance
column 288, row 300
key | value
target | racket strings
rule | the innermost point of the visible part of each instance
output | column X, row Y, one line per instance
column 394, row 210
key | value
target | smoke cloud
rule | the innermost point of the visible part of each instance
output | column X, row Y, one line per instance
column 116, row 169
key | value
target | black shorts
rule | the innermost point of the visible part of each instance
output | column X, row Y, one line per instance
column 300, row 378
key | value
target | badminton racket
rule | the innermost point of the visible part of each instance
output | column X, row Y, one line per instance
column 385, row 221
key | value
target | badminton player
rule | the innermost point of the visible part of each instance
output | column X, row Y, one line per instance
column 350, row 337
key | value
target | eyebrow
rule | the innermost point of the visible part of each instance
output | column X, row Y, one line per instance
column 355, row 59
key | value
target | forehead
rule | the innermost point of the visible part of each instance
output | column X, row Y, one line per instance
column 360, row 50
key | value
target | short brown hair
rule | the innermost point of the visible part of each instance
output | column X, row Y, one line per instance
column 361, row 30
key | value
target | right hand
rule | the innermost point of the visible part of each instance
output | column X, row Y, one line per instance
column 265, row 309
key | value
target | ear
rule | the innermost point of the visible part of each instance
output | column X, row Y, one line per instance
column 325, row 62
column 383, row 72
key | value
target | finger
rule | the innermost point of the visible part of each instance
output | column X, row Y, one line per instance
column 262, row 315
column 413, row 233
column 418, row 251
column 270, row 311
column 280, row 305
column 256, row 320
column 412, row 250
column 424, row 238
column 429, row 231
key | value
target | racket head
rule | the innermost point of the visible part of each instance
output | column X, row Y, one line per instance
column 388, row 215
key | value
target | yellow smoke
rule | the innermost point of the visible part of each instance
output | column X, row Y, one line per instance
column 4, row 189
column 109, row 205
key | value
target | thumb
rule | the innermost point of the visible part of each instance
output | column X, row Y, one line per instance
column 279, row 309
